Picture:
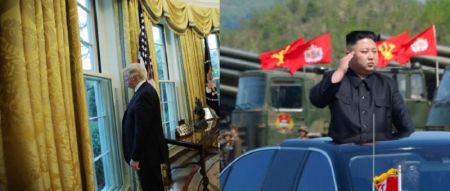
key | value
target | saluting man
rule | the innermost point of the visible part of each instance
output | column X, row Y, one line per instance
column 359, row 97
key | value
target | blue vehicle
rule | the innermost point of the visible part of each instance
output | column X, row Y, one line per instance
column 320, row 165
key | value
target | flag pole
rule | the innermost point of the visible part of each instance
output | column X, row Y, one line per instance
column 373, row 148
column 437, row 62
column 304, row 92
column 437, row 74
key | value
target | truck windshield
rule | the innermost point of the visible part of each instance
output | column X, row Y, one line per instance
column 443, row 94
column 417, row 89
column 286, row 94
column 250, row 92
column 421, row 169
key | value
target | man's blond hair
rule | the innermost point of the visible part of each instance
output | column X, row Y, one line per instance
column 135, row 69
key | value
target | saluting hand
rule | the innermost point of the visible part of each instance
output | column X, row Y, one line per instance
column 342, row 68
column 134, row 165
column 345, row 61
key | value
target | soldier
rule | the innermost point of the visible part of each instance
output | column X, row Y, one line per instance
column 302, row 133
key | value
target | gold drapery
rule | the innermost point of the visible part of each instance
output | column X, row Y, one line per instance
column 193, row 60
column 45, row 143
column 182, row 16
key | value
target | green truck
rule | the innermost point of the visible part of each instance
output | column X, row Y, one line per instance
column 273, row 105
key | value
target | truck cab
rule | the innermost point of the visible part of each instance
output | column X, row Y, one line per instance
column 273, row 105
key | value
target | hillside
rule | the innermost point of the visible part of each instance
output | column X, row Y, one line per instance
column 286, row 20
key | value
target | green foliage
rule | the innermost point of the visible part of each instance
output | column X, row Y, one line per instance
column 287, row 20
column 92, row 107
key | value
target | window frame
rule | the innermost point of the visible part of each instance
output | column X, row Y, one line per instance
column 92, row 30
column 168, row 42
column 115, row 175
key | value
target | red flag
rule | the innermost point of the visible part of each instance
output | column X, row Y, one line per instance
column 388, row 181
column 276, row 59
column 317, row 50
column 422, row 44
column 390, row 184
column 390, row 49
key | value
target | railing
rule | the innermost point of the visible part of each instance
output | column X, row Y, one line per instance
column 202, row 146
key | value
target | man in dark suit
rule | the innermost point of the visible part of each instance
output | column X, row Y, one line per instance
column 144, row 145
column 363, row 103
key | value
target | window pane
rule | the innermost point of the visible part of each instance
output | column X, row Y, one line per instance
column 95, row 137
column 169, row 107
column 251, row 92
column 90, row 92
column 317, row 174
column 157, row 35
column 161, row 60
column 84, row 3
column 417, row 90
column 286, row 94
column 215, row 63
column 86, row 56
column 401, row 80
column 212, row 41
column 84, row 25
column 166, row 112
column 100, row 174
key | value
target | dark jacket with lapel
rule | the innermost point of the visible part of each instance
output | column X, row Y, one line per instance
column 387, row 104
column 143, row 137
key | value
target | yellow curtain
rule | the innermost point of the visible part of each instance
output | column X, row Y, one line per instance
column 193, row 60
column 176, row 13
column 181, row 16
column 45, row 143
column 155, row 7
column 131, row 28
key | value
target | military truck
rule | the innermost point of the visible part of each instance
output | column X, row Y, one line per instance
column 273, row 105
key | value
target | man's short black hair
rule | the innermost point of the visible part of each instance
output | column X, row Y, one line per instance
column 354, row 36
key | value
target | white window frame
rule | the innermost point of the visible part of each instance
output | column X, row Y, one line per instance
column 92, row 45
column 108, row 136
column 170, row 77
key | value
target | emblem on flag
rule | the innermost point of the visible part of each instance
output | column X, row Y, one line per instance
column 386, row 50
column 280, row 56
column 313, row 54
column 419, row 45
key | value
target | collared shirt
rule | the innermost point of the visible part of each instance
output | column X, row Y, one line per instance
column 138, row 85
column 358, row 105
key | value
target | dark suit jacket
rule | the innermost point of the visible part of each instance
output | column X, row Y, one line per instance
column 386, row 101
column 143, row 137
